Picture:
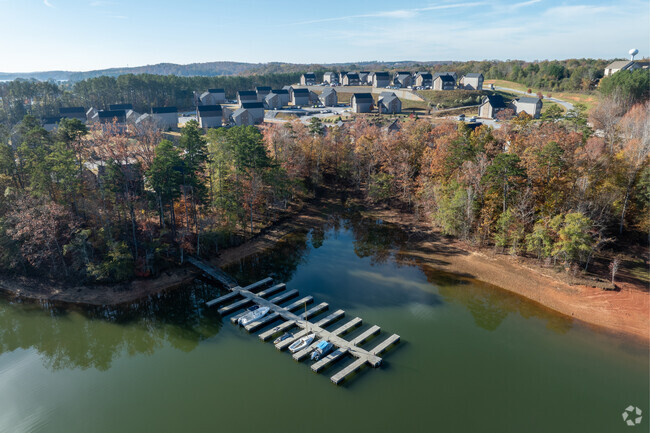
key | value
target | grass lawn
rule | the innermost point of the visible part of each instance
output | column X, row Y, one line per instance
column 589, row 99
column 451, row 98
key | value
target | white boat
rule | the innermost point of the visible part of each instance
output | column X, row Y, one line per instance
column 302, row 343
column 253, row 316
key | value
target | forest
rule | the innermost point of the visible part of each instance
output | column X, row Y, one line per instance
column 95, row 205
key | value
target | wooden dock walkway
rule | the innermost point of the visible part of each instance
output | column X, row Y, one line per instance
column 241, row 297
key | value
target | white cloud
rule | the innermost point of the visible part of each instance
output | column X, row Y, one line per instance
column 399, row 13
column 48, row 4
column 523, row 4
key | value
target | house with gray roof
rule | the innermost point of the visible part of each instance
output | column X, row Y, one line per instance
column 402, row 79
column 308, row 79
column 241, row 117
column 50, row 123
column 361, row 102
column 423, row 79
column 213, row 97
column 363, row 78
column 491, row 105
column 209, row 116
column 389, row 103
column 530, row 105
column 272, row 101
column 261, row 92
column 351, row 79
column 621, row 65
column 73, row 113
column 453, row 74
column 329, row 97
column 112, row 120
column 299, row 97
column 471, row 81
column 92, row 112
column 341, row 75
column 380, row 79
column 331, row 78
column 165, row 117
column 284, row 94
column 444, row 82
column 246, row 96
column 256, row 110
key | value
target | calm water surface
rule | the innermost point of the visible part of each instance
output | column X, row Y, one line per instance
column 473, row 358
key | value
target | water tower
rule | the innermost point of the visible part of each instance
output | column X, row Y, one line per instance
column 633, row 52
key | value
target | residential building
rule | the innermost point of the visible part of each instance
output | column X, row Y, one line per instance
column 361, row 102
column 256, row 110
column 73, row 113
column 351, row 79
column 423, row 79
column 299, row 97
column 452, row 74
column 341, row 75
column 471, row 81
column 402, row 79
column 165, row 117
column 363, row 78
column 273, row 101
column 209, row 116
column 284, row 95
column 308, row 79
column 329, row 97
column 113, row 107
column 50, row 123
column 213, row 97
column 491, row 106
column 530, row 105
column 242, row 117
column 246, row 96
column 261, row 92
column 112, row 120
column 380, row 79
column 389, row 103
column 331, row 78
column 444, row 82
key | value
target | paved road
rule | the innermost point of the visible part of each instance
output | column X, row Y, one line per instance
column 567, row 105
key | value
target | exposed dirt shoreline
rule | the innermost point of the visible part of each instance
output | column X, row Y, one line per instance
column 625, row 312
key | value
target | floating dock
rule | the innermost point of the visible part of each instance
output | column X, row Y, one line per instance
column 240, row 298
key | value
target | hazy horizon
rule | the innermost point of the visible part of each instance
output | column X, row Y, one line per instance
column 86, row 35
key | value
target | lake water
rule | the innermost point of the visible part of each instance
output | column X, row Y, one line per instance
column 473, row 358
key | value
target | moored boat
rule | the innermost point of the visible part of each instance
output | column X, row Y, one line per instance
column 283, row 337
column 302, row 343
column 322, row 349
column 253, row 315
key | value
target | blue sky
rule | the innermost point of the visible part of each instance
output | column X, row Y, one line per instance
column 92, row 34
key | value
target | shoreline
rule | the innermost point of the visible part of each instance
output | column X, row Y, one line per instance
column 625, row 312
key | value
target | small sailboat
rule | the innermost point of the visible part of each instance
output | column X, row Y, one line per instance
column 258, row 313
column 322, row 349
column 283, row 337
column 302, row 343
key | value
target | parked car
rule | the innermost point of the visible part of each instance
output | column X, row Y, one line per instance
column 461, row 117
column 472, row 119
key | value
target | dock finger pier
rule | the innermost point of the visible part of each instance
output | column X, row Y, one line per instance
column 283, row 308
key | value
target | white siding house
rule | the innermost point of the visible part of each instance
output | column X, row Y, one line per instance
column 361, row 102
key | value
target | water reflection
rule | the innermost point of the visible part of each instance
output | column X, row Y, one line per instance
column 348, row 261
column 83, row 338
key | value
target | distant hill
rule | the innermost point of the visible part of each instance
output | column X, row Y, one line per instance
column 209, row 69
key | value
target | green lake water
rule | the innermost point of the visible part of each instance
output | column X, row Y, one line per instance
column 473, row 358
